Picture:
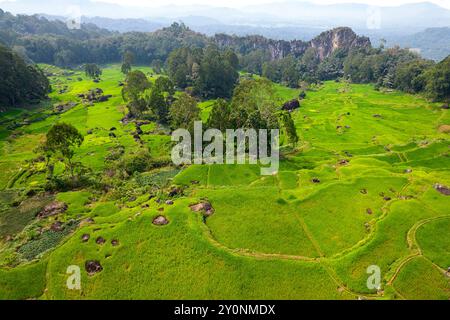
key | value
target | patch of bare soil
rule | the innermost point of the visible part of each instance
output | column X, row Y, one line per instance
column 445, row 128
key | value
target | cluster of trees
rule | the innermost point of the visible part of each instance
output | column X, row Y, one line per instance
column 392, row 68
column 127, row 62
column 438, row 81
column 145, row 98
column 20, row 82
column 291, row 70
column 52, row 42
column 209, row 65
column 92, row 70
column 210, row 72
column 254, row 105
column 400, row 69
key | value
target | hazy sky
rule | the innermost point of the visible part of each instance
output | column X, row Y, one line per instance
column 240, row 3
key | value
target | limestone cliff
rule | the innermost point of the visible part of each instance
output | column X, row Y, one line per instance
column 324, row 44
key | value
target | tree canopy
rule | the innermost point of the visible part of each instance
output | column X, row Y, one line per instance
column 20, row 83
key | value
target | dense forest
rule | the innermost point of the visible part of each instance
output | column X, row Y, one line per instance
column 208, row 65
column 20, row 82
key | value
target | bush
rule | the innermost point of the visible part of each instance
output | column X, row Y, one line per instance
column 138, row 162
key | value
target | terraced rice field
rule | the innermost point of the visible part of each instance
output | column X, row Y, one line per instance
column 359, row 191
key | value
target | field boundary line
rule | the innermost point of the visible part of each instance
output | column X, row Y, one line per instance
column 253, row 254
column 412, row 242
column 309, row 235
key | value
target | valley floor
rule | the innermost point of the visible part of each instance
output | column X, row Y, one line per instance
column 360, row 191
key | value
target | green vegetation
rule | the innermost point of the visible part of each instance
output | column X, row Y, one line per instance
column 92, row 70
column 20, row 83
column 357, row 188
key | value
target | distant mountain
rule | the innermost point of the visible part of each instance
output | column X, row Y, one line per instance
column 433, row 43
column 124, row 25
column 406, row 19
column 289, row 20
column 276, row 33
column 67, row 7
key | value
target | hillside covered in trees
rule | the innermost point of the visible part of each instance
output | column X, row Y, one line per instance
column 20, row 82
column 335, row 54
column 95, row 204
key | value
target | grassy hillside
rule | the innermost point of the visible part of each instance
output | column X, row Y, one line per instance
column 358, row 192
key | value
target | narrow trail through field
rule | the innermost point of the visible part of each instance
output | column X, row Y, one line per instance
column 324, row 261
column 414, row 245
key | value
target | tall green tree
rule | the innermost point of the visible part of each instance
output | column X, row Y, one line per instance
column 179, row 67
column 133, row 92
column 62, row 140
column 164, row 84
column 232, row 59
column 184, row 112
column 217, row 76
column 127, row 62
column 289, row 128
column 220, row 116
column 255, row 105
column 409, row 75
column 19, row 82
column 158, row 104
column 92, row 70
column 438, row 81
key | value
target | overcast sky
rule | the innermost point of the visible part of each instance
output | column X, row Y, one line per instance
column 240, row 3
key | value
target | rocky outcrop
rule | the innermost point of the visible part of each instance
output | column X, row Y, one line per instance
column 324, row 44
column 92, row 267
column 291, row 105
column 340, row 38
column 52, row 209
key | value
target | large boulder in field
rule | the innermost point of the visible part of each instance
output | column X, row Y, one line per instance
column 442, row 189
column 92, row 267
column 291, row 105
column 57, row 226
column 52, row 209
column 204, row 207
column 160, row 221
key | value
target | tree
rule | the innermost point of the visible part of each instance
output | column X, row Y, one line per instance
column 231, row 58
column 20, row 83
column 178, row 67
column 160, row 97
column 164, row 84
column 438, row 81
column 217, row 76
column 127, row 62
column 61, row 141
column 92, row 70
column 220, row 115
column 254, row 105
column 157, row 66
column 133, row 90
column 184, row 112
column 409, row 76
column 289, row 128
column 158, row 104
